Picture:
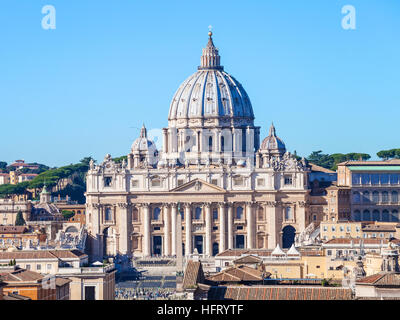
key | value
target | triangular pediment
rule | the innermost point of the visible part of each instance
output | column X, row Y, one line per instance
column 198, row 186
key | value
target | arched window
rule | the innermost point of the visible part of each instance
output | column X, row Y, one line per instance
column 210, row 144
column 156, row 213
column 108, row 214
column 375, row 196
column 385, row 216
column 385, row 197
column 395, row 197
column 356, row 197
column 197, row 213
column 288, row 213
column 366, row 215
column 222, row 144
column 395, row 215
column 239, row 213
column 366, row 197
column 376, row 215
column 357, row 215
column 288, row 235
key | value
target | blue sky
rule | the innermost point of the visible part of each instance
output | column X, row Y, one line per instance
column 84, row 88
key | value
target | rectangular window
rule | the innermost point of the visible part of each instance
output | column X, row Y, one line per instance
column 155, row 182
column 28, row 267
column 180, row 182
column 107, row 181
column 260, row 182
column 288, row 180
column 49, row 267
column 135, row 183
column 238, row 181
column 333, row 228
column 239, row 228
column 341, row 228
column 38, row 267
column 214, row 182
column 215, row 228
column 348, row 229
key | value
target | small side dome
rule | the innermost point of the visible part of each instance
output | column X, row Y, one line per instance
column 143, row 144
column 273, row 143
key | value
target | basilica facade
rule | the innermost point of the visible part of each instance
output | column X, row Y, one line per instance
column 211, row 187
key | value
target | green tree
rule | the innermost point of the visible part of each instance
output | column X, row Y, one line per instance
column 3, row 165
column 67, row 214
column 19, row 220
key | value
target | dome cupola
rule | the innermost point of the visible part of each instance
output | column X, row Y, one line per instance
column 143, row 144
column 210, row 93
column 272, row 143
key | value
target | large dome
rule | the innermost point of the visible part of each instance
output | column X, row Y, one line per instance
column 211, row 93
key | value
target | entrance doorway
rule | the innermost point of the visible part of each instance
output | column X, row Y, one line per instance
column 198, row 244
column 157, row 245
column 288, row 235
column 90, row 293
column 239, row 241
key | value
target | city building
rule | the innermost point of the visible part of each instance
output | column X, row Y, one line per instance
column 4, row 178
column 85, row 282
column 26, row 177
column 20, row 237
column 20, row 164
column 212, row 181
column 9, row 209
column 375, row 187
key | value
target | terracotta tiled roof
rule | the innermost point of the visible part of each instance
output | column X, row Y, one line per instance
column 240, row 252
column 357, row 241
column 62, row 281
column 12, row 296
column 278, row 293
column 249, row 259
column 41, row 254
column 366, row 163
column 20, row 275
column 382, row 279
column 12, row 229
column 315, row 167
column 237, row 274
column 193, row 274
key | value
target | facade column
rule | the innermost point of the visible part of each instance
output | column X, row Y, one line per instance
column 167, row 250
column 230, row 226
column 222, row 230
column 146, row 230
column 272, row 222
column 207, row 207
column 165, row 140
column 124, row 229
column 250, row 225
column 188, row 229
column 173, row 229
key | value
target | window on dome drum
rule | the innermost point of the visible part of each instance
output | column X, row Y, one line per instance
column 215, row 214
column 156, row 213
column 210, row 144
column 107, row 181
column 239, row 213
column 244, row 136
column 108, row 214
column 222, row 144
